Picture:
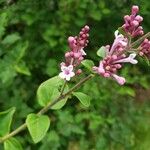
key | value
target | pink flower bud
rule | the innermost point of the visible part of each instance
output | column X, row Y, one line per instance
column 127, row 17
column 71, row 39
column 83, row 35
column 135, row 23
column 118, row 66
column 71, row 54
column 87, row 28
column 78, row 72
column 141, row 53
column 81, row 58
column 81, row 43
column 81, row 32
column 67, row 54
column 114, row 57
column 139, row 18
column 141, row 32
column 106, row 75
column 77, row 55
column 135, row 9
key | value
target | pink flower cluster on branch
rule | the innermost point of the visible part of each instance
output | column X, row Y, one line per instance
column 75, row 55
column 114, row 59
column 118, row 53
column 132, row 23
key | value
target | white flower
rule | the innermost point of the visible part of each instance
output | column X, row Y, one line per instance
column 82, row 52
column 129, row 59
column 67, row 72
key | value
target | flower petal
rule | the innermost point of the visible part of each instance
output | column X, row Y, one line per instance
column 120, row 80
column 67, row 77
column 63, row 68
column 72, row 74
column 82, row 51
column 70, row 68
column 62, row 75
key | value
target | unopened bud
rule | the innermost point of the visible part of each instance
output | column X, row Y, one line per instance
column 135, row 9
column 78, row 72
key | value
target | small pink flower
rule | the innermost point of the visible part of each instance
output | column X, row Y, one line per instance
column 67, row 72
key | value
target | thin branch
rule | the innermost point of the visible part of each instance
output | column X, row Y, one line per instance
column 46, row 108
column 63, row 88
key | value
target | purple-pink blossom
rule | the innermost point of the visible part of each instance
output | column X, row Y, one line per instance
column 132, row 23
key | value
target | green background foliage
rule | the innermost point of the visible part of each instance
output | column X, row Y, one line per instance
column 33, row 40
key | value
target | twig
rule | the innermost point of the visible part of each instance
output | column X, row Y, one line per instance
column 46, row 108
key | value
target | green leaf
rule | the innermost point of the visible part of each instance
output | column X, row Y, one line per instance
column 146, row 60
column 3, row 23
column 5, row 121
column 88, row 64
column 37, row 126
column 20, row 51
column 12, row 144
column 22, row 68
column 10, row 39
column 96, row 15
column 51, row 68
column 49, row 90
column 127, row 91
column 102, row 52
column 83, row 98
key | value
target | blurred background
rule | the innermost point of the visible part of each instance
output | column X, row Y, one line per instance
column 33, row 40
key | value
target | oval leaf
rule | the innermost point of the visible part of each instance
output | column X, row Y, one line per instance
column 49, row 90
column 10, row 39
column 22, row 68
column 83, row 98
column 12, row 144
column 5, row 121
column 37, row 126
column 102, row 52
column 88, row 64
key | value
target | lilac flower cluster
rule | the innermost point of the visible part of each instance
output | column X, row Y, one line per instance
column 75, row 55
column 132, row 23
column 115, row 57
